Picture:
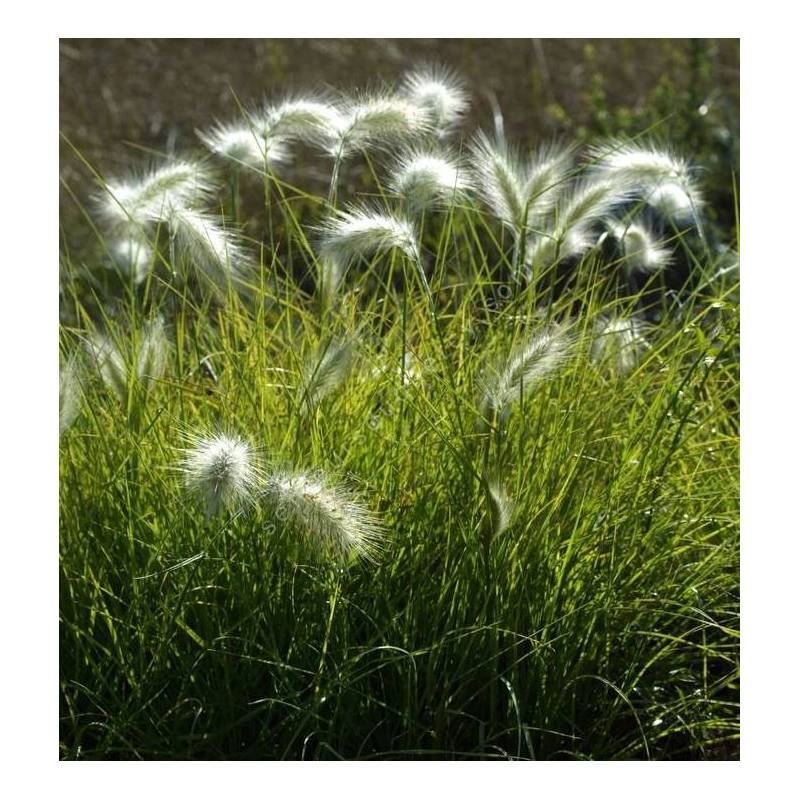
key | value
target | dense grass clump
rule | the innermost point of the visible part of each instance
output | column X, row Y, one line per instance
column 436, row 459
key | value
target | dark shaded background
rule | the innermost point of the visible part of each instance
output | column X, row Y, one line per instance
column 118, row 95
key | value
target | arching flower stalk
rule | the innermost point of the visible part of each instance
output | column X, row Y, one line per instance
column 329, row 519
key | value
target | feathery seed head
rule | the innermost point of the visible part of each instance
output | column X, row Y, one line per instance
column 111, row 364
column 619, row 343
column 243, row 145
column 221, row 469
column 501, row 508
column 68, row 396
column 328, row 369
column 359, row 231
column 441, row 93
column 501, row 178
column 641, row 250
column 212, row 249
column 547, row 174
column 302, row 118
column 526, row 368
column 329, row 518
column 153, row 354
column 330, row 274
column 665, row 179
column 374, row 121
column 134, row 256
column 154, row 195
column 640, row 164
column 424, row 180
column 146, row 364
column 679, row 202
column 589, row 201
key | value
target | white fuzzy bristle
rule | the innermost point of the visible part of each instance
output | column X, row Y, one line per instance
column 527, row 367
column 221, row 469
column 619, row 343
column 360, row 231
column 329, row 518
column 440, row 93
column 426, row 180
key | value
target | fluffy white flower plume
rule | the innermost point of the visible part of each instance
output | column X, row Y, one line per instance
column 331, row 520
column 440, row 93
column 501, row 178
column 501, row 508
column 570, row 230
column 518, row 190
column 242, row 144
column 527, row 366
column 212, row 249
column 304, row 118
column 220, row 469
column 172, row 196
column 425, row 180
column 111, row 364
column 134, row 256
column 359, row 231
column 665, row 179
column 373, row 121
column 548, row 171
column 68, row 396
column 641, row 251
column 138, row 201
column 619, row 343
column 330, row 274
column 118, row 367
column 328, row 369
column 153, row 354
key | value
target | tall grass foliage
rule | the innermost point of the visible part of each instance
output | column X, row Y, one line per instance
column 385, row 439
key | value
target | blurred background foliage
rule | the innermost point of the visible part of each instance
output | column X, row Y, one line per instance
column 122, row 99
